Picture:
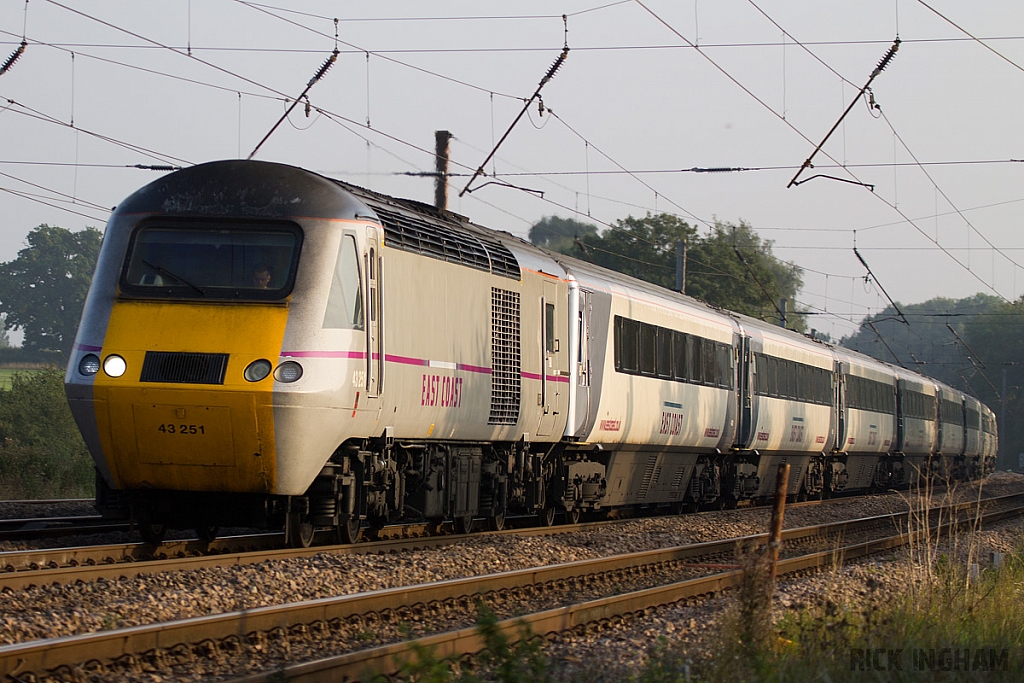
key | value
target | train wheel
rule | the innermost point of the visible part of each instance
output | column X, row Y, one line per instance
column 572, row 516
column 546, row 517
column 497, row 522
column 152, row 533
column 298, row 531
column 206, row 533
column 347, row 530
column 464, row 524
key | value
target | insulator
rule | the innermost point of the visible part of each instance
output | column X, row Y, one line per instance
column 324, row 67
column 13, row 58
column 555, row 67
column 887, row 58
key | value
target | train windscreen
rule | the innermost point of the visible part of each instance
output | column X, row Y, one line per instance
column 237, row 261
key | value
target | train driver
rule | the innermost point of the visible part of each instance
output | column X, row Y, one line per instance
column 261, row 276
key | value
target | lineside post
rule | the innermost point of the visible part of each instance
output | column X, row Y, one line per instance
column 441, row 154
column 778, row 510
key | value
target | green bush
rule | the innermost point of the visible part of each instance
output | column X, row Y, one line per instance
column 42, row 454
column 503, row 660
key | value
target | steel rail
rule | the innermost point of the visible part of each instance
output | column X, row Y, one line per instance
column 388, row 659
column 50, row 654
column 25, row 568
column 53, row 558
column 50, row 527
column 47, row 501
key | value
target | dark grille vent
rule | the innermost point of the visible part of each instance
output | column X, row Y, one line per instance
column 445, row 243
column 506, row 373
column 184, row 368
column 645, row 483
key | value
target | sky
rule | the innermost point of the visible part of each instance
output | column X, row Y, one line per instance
column 923, row 175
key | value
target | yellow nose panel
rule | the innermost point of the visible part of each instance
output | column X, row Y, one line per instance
column 186, row 436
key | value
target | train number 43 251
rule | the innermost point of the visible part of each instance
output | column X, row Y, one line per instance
column 181, row 429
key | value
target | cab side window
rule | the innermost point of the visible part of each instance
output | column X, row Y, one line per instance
column 345, row 302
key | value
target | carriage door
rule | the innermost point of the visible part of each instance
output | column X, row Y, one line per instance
column 548, row 371
column 583, row 359
column 374, row 322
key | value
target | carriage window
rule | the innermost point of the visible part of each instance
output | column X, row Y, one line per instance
column 664, row 360
column 627, row 341
column 647, row 348
column 345, row 302
column 550, row 343
column 212, row 260
column 695, row 359
column 679, row 368
column 710, row 363
column 724, row 375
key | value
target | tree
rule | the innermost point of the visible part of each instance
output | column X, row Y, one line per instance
column 989, row 341
column 43, row 290
column 645, row 248
column 560, row 234
column 735, row 269
column 926, row 345
column 42, row 453
column 998, row 340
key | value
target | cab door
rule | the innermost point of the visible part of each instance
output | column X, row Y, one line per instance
column 374, row 319
column 550, row 391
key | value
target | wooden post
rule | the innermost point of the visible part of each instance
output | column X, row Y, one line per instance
column 778, row 509
column 441, row 152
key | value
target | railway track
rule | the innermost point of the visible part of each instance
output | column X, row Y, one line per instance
column 23, row 568
column 38, row 528
column 53, row 527
column 598, row 614
column 188, row 641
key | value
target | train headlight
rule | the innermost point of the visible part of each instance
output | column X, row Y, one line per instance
column 288, row 371
column 89, row 365
column 257, row 370
column 114, row 365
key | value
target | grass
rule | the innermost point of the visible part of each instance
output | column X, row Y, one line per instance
column 503, row 660
column 947, row 624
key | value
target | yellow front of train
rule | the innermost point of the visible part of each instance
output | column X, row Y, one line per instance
column 173, row 373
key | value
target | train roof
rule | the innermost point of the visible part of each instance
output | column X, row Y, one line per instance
column 263, row 189
column 257, row 189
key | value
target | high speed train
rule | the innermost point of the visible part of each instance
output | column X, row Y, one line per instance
column 263, row 346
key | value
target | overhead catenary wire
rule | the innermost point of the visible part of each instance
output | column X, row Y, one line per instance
column 971, row 36
column 324, row 68
column 942, row 192
column 874, row 74
column 30, row 112
column 47, row 201
column 369, row 52
column 792, row 127
column 769, row 297
column 552, row 70
column 520, row 50
column 570, row 202
column 874, row 279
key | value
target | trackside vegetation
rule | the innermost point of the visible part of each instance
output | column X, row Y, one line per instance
column 42, row 454
column 948, row 626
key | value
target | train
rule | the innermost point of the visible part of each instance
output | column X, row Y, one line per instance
column 266, row 347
